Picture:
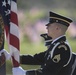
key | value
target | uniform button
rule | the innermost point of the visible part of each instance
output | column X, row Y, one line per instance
column 45, row 64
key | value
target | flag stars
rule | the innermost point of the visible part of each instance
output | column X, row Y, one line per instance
column 7, row 12
column 4, row 3
column 9, row 2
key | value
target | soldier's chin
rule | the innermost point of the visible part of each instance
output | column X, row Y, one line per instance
column 49, row 35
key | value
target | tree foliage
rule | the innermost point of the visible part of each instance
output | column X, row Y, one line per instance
column 69, row 4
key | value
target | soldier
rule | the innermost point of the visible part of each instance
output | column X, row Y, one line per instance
column 57, row 59
column 4, row 55
column 48, row 41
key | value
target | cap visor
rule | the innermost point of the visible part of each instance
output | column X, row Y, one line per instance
column 47, row 24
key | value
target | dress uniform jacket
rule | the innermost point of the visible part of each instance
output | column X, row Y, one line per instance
column 57, row 60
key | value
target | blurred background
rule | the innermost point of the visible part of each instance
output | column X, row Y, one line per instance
column 32, row 17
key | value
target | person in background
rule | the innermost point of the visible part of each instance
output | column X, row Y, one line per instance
column 57, row 59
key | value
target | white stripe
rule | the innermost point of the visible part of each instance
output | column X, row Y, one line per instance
column 70, row 55
column 52, row 51
column 13, row 6
column 14, row 29
column 73, row 53
column 48, row 40
column 57, row 38
column 14, row 52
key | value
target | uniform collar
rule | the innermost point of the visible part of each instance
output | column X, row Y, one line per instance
column 63, row 38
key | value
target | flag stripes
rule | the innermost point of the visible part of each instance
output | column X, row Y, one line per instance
column 14, row 29
column 14, row 34
column 14, row 43
column 8, row 10
column 14, row 8
column 14, row 18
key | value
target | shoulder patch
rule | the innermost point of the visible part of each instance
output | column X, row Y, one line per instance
column 56, row 58
column 62, row 46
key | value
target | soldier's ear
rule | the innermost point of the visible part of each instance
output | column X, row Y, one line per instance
column 57, row 28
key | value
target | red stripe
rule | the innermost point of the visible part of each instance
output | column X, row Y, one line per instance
column 14, row 18
column 14, row 41
column 7, row 30
column 15, row 63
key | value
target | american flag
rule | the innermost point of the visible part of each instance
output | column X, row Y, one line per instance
column 9, row 13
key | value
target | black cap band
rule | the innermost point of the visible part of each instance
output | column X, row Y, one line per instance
column 53, row 17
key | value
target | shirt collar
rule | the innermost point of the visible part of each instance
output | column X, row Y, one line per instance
column 63, row 36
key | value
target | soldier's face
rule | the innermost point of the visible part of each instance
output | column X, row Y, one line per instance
column 52, row 29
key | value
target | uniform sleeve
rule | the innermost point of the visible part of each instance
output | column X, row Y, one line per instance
column 56, row 60
column 61, row 54
column 37, row 59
